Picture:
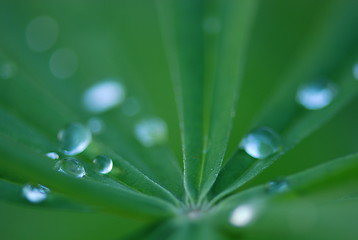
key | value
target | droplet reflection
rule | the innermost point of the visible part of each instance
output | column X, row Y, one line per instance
column 35, row 194
column 261, row 143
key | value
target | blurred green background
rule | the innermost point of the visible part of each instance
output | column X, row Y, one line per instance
column 122, row 39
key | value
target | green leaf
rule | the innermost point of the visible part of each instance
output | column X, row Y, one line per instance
column 331, row 180
column 237, row 18
column 295, row 123
column 37, row 168
column 12, row 193
column 182, row 33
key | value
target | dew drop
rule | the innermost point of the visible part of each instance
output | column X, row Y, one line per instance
column 261, row 143
column 41, row 33
column 96, row 125
column 277, row 186
column 52, row 155
column 130, row 107
column 212, row 25
column 71, row 166
column 355, row 71
column 151, row 132
column 63, row 63
column 103, row 96
column 242, row 215
column 103, row 164
column 316, row 95
column 7, row 70
column 35, row 194
column 74, row 138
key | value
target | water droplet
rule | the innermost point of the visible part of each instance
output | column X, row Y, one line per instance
column 52, row 155
column 261, row 143
column 7, row 70
column 41, row 33
column 103, row 96
column 35, row 194
column 71, row 166
column 316, row 95
column 355, row 71
column 277, row 186
column 63, row 63
column 151, row 132
column 242, row 215
column 103, row 164
column 130, row 107
column 212, row 25
column 96, row 125
column 74, row 138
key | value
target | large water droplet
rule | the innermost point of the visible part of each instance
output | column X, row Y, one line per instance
column 242, row 215
column 35, row 194
column 7, row 70
column 103, row 96
column 52, row 155
column 96, row 125
column 63, row 63
column 151, row 132
column 261, row 143
column 74, row 138
column 41, row 33
column 71, row 166
column 277, row 186
column 355, row 71
column 103, row 164
column 316, row 95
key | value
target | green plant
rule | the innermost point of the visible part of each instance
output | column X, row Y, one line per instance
column 215, row 53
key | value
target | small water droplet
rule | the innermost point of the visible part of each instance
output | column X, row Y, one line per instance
column 7, row 70
column 212, row 25
column 261, row 143
column 151, row 132
column 52, row 155
column 74, row 138
column 277, row 186
column 63, row 63
column 96, row 125
column 355, row 71
column 103, row 96
column 35, row 194
column 242, row 215
column 41, row 33
column 130, row 107
column 316, row 95
column 71, row 166
column 103, row 164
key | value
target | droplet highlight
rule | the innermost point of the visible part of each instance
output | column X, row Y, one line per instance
column 41, row 33
column 103, row 164
column 35, row 193
column 71, row 166
column 316, row 95
column 63, row 63
column 103, row 96
column 52, row 155
column 261, row 143
column 277, row 186
column 74, row 138
column 151, row 132
column 96, row 125
column 242, row 215
column 355, row 71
